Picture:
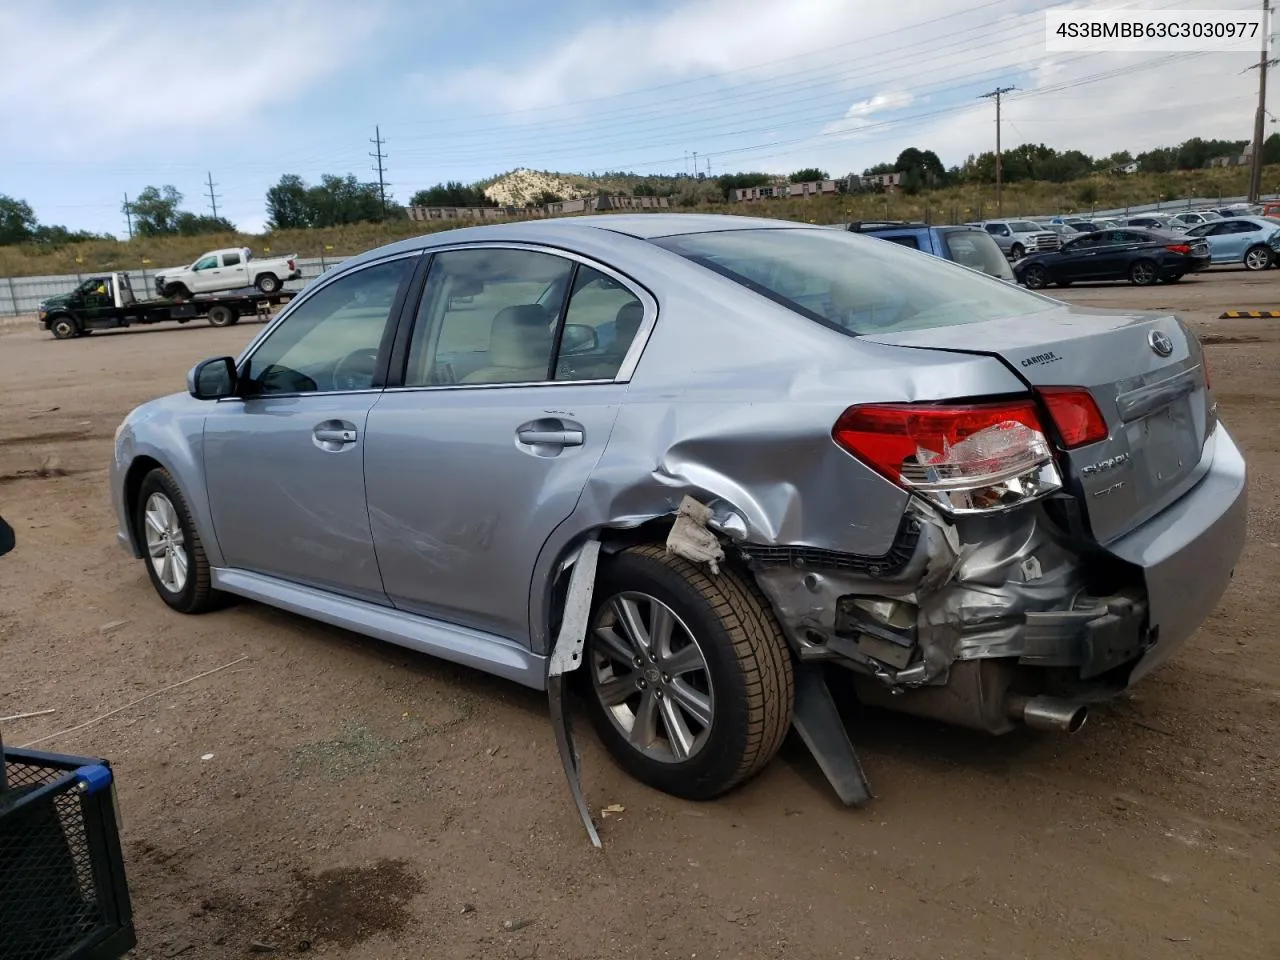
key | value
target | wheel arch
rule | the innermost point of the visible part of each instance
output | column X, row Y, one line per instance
column 179, row 457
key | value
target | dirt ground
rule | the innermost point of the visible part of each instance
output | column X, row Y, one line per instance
column 331, row 795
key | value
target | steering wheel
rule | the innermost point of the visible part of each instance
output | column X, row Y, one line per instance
column 355, row 370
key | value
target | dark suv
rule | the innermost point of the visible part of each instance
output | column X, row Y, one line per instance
column 969, row 246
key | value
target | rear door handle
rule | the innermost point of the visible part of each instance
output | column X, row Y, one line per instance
column 560, row 438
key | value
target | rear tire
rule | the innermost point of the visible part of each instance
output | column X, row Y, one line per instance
column 268, row 283
column 721, row 658
column 1036, row 277
column 221, row 315
column 1143, row 273
column 64, row 328
column 173, row 551
column 1257, row 258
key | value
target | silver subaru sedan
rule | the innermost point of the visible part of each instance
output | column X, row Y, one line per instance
column 794, row 448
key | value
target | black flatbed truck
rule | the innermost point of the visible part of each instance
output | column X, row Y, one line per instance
column 106, row 302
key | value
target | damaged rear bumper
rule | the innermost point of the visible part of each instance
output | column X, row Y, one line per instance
column 960, row 619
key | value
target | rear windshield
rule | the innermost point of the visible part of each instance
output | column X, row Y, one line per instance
column 977, row 250
column 853, row 283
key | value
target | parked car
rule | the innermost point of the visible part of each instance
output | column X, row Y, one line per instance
column 1017, row 238
column 1149, row 222
column 1140, row 256
column 802, row 446
column 969, row 246
column 1253, row 241
column 230, row 269
column 1183, row 221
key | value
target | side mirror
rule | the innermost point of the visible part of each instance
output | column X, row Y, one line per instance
column 213, row 379
column 578, row 338
column 6, row 537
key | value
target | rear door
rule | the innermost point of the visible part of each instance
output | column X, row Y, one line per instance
column 508, row 396
column 234, row 271
column 1144, row 370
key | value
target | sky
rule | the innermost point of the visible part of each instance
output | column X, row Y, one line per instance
column 100, row 100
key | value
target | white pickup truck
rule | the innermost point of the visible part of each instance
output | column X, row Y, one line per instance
column 230, row 269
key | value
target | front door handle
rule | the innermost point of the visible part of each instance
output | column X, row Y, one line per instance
column 560, row 438
column 334, row 435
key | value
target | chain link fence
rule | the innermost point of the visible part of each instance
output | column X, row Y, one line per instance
column 21, row 295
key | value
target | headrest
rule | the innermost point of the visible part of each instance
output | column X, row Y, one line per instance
column 520, row 337
column 627, row 323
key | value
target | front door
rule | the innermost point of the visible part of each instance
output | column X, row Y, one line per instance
column 509, row 398
column 99, row 301
column 285, row 463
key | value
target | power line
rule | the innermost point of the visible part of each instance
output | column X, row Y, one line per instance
column 213, row 197
column 380, row 156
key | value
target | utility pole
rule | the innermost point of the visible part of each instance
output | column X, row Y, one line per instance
column 1259, row 120
column 377, row 141
column 213, row 197
column 128, row 215
column 997, row 93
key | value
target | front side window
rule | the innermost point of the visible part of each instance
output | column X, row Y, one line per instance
column 488, row 315
column 331, row 341
column 854, row 284
column 208, row 263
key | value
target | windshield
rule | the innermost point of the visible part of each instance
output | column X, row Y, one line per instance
column 1025, row 226
column 852, row 283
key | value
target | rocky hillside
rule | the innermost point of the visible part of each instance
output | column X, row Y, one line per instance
column 521, row 186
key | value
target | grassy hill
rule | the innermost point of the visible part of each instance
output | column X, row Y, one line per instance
column 951, row 204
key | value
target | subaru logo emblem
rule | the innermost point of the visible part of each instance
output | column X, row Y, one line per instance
column 1160, row 343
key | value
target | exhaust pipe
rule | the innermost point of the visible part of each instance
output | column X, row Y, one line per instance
column 1047, row 713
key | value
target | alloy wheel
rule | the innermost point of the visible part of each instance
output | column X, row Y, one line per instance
column 1257, row 259
column 651, row 677
column 166, row 543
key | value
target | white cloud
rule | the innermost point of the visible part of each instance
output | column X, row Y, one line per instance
column 97, row 80
column 859, row 114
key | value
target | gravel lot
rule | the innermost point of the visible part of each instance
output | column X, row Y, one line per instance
column 362, row 801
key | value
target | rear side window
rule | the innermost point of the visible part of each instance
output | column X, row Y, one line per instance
column 230, row 259
column 854, row 284
column 978, row 251
column 904, row 241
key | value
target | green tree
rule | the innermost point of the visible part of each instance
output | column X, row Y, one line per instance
column 922, row 168
column 545, row 197
column 17, row 220
column 808, row 175
column 878, row 168
column 1271, row 149
column 452, row 194
column 336, row 201
column 190, row 224
column 155, row 211
column 287, row 206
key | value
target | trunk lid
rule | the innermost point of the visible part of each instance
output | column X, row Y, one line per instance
column 1145, row 372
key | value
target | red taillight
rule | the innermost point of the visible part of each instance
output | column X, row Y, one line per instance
column 965, row 458
column 1183, row 248
column 1075, row 414
column 291, row 265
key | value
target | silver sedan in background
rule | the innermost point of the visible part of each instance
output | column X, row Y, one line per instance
column 794, row 446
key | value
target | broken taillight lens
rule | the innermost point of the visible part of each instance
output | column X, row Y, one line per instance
column 1075, row 414
column 970, row 458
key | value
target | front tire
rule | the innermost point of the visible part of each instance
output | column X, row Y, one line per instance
column 64, row 328
column 1257, row 258
column 177, row 291
column 175, row 557
column 689, row 679
column 268, row 283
